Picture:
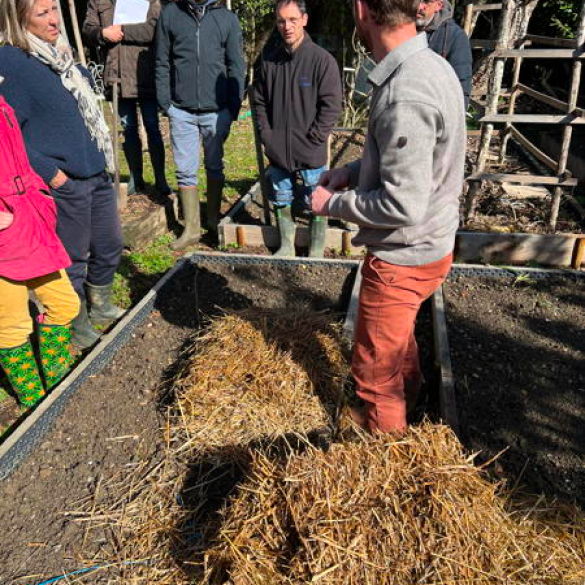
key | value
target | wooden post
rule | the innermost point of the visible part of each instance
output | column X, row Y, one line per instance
column 468, row 19
column 76, row 33
column 494, row 90
column 260, row 160
column 579, row 254
column 568, row 131
column 122, row 196
column 62, row 27
column 512, row 105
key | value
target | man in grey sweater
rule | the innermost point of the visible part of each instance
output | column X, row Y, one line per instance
column 404, row 196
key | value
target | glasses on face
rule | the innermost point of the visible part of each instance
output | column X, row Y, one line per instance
column 282, row 22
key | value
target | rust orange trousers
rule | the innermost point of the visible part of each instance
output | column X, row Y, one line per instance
column 385, row 362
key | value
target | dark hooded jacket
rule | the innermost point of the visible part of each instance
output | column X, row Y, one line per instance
column 199, row 62
column 298, row 99
column 449, row 40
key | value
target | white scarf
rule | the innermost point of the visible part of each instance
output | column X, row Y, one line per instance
column 59, row 58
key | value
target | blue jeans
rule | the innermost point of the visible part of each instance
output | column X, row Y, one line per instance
column 187, row 130
column 88, row 224
column 283, row 183
column 128, row 111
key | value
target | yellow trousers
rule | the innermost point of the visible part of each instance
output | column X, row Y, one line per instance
column 55, row 292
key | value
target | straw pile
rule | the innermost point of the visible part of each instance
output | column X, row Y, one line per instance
column 235, row 501
column 385, row 512
column 259, row 374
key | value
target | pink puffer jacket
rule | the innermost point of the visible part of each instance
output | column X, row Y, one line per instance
column 29, row 247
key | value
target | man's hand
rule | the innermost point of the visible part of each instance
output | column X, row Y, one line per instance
column 6, row 219
column 320, row 201
column 113, row 33
column 58, row 180
column 335, row 179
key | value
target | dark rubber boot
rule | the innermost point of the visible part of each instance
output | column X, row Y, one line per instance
column 102, row 310
column 157, row 157
column 318, row 234
column 189, row 199
column 286, row 228
column 22, row 371
column 83, row 335
column 214, row 195
column 55, row 350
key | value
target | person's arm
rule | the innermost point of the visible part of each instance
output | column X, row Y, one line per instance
column 162, row 64
column 406, row 134
column 235, row 68
column 259, row 98
column 460, row 58
column 329, row 102
column 92, row 27
column 143, row 33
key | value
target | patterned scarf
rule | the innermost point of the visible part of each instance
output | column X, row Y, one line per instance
column 60, row 59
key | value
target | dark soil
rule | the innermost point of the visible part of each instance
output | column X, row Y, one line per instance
column 518, row 351
column 113, row 422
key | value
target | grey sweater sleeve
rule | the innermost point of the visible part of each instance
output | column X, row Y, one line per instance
column 405, row 134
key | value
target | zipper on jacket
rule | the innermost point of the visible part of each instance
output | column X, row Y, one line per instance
column 198, row 83
column 8, row 118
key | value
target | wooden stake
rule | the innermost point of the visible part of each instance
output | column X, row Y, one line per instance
column 76, row 33
column 122, row 195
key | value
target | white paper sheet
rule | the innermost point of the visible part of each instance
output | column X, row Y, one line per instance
column 131, row 11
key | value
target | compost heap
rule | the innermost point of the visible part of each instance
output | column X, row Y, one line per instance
column 243, row 497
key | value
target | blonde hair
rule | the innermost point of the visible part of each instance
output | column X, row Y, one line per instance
column 13, row 22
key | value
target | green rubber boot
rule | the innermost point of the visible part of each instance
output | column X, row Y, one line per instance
column 83, row 335
column 214, row 195
column 318, row 234
column 286, row 229
column 102, row 311
column 191, row 215
column 55, row 350
column 22, row 371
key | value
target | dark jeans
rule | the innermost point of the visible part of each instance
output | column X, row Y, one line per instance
column 128, row 111
column 89, row 227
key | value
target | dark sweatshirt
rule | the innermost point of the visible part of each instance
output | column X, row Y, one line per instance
column 298, row 99
column 54, row 132
column 199, row 64
column 449, row 40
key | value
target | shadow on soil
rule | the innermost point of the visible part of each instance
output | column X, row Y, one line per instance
column 523, row 391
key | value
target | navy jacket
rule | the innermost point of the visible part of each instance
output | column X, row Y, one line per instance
column 52, row 126
column 199, row 64
column 449, row 40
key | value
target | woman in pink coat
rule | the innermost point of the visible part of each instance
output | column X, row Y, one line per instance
column 31, row 258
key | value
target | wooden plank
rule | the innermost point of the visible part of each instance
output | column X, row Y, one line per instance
column 524, row 179
column 547, row 99
column 447, row 400
column 553, row 41
column 567, row 120
column 350, row 322
column 579, row 255
column 533, row 149
column 482, row 43
column 539, row 53
column 487, row 248
column 525, row 191
column 484, row 7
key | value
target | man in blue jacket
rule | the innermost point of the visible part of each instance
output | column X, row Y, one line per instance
column 200, row 84
column 447, row 38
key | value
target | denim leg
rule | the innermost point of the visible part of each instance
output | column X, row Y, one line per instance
column 310, row 179
column 127, row 109
column 106, row 234
column 281, row 182
column 156, row 147
column 73, row 201
column 215, row 129
column 185, row 141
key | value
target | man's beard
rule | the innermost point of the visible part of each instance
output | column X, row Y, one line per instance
column 423, row 21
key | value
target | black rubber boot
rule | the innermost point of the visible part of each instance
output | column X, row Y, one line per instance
column 286, row 228
column 189, row 199
column 318, row 235
column 102, row 310
column 214, row 195
column 83, row 335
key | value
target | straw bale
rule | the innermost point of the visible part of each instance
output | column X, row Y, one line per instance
column 258, row 374
column 386, row 511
